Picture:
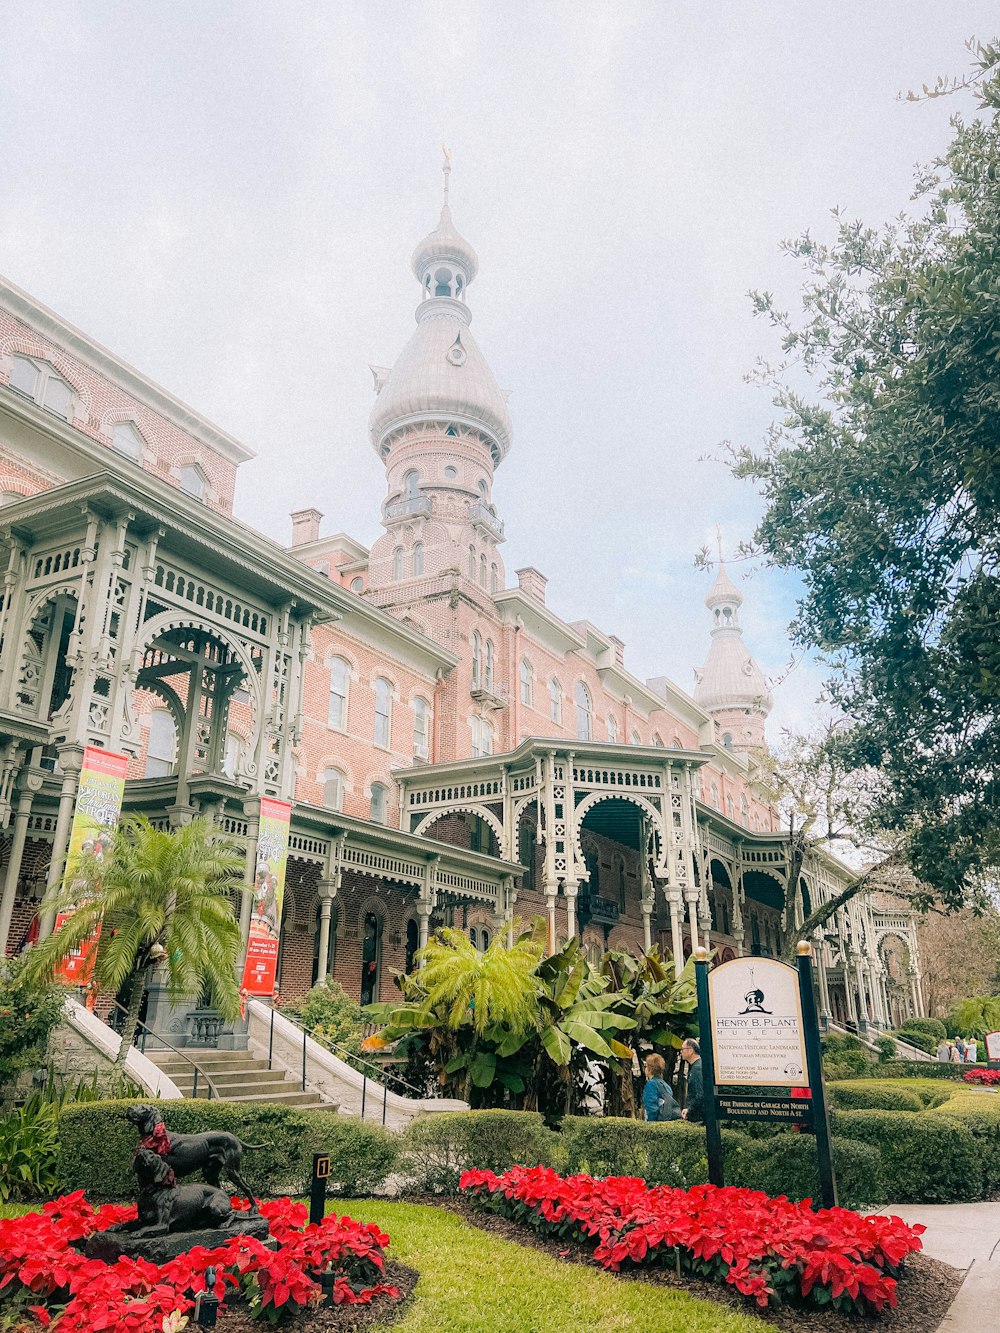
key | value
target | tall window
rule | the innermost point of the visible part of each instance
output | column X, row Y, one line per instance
column 231, row 754
column 658, row 740
column 333, row 789
column 161, row 747
column 340, row 675
column 555, row 700
column 494, row 582
column 477, row 660
column 127, row 440
column 526, row 852
column 490, row 653
column 479, row 938
column 412, row 944
column 411, row 485
column 38, row 380
column 584, row 719
column 730, row 808
column 371, row 958
column 472, row 563
column 620, row 881
column 744, row 810
column 421, row 728
column 383, row 712
column 397, row 564
column 527, row 682
column 418, row 559
column 634, row 739
column 379, row 803
column 482, row 571
column 612, row 728
column 482, row 737
column 715, row 795
column 727, row 740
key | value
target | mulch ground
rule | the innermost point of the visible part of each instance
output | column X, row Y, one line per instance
column 235, row 1317
column 926, row 1289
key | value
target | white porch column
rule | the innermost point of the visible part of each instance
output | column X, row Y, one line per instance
column 819, row 948
column 327, row 893
column 862, row 1000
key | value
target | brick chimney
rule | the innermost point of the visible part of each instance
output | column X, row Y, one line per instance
column 305, row 526
column 532, row 584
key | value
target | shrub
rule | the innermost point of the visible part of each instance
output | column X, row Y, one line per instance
column 436, row 1149
column 920, row 1069
column 28, row 1013
column 29, row 1146
column 788, row 1164
column 931, row 1027
column 927, row 1157
column 844, row 1055
column 873, row 1095
column 672, row 1153
column 886, row 1049
column 922, row 1040
column 980, row 1115
column 97, row 1142
column 330, row 1011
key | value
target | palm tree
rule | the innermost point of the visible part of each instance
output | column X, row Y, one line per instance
column 155, row 894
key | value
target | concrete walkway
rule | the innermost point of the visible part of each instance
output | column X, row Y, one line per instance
column 967, row 1236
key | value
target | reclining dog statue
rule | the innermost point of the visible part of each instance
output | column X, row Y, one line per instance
column 166, row 1206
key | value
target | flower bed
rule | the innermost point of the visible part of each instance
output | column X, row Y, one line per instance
column 49, row 1282
column 770, row 1249
column 989, row 1077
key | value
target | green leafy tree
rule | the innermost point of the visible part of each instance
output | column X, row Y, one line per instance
column 29, row 1010
column 882, row 486
column 156, row 894
column 975, row 1016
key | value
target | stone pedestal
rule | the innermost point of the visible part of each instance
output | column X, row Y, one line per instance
column 112, row 1244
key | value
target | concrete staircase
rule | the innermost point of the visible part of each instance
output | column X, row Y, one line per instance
column 237, row 1077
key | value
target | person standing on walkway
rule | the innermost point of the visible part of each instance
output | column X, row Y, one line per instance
column 972, row 1050
column 944, row 1052
column 960, row 1047
column 695, row 1107
column 954, row 1056
column 657, row 1100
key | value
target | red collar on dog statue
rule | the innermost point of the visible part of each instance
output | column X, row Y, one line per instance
column 158, row 1141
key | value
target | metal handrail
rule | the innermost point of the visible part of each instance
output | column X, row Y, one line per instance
column 197, row 1068
column 342, row 1052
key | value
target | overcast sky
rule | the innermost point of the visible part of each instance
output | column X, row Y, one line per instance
column 227, row 195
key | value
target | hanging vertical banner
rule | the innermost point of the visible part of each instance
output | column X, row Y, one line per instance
column 98, row 809
column 261, row 966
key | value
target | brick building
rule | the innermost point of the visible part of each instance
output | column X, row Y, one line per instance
column 453, row 751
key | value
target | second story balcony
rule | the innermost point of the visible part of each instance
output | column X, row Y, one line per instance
column 485, row 516
column 408, row 507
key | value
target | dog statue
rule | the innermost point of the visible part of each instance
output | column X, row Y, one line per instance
column 214, row 1152
column 166, row 1206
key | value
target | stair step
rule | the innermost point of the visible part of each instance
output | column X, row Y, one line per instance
column 290, row 1098
column 264, row 1075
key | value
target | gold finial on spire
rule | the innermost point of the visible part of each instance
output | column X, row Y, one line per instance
column 447, row 171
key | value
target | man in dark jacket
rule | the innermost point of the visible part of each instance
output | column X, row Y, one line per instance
column 694, row 1108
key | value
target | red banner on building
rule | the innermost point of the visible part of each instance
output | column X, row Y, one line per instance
column 98, row 808
column 261, row 967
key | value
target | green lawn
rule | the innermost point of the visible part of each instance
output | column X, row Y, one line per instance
column 470, row 1281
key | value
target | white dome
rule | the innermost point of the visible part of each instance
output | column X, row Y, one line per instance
column 730, row 677
column 445, row 245
column 441, row 373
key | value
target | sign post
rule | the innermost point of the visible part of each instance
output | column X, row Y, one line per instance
column 317, row 1189
column 993, row 1049
column 814, row 1067
column 713, row 1135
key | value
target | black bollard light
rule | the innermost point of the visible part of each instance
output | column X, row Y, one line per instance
column 327, row 1278
column 206, row 1303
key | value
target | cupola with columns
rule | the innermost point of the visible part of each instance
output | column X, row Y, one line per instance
column 440, row 424
column 731, row 686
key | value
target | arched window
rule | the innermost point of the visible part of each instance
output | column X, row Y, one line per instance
column 715, row 795
column 357, row 584
column 482, row 570
column 584, row 708
column 411, row 485
column 418, row 559
column 482, row 737
column 379, row 809
column 612, row 729
column 555, row 700
column 494, row 579
column 634, row 739
column 397, row 564
column 161, row 748
column 527, row 683
column 744, row 809
column 231, row 753
column 483, row 489
column 477, row 660
column 127, row 440
column 340, row 675
column 371, row 958
column 412, row 944
column 730, row 808
column 490, row 653
column 526, row 852
column 472, row 563
column 479, row 938
column 658, row 740
column 421, row 728
column 194, row 481
column 38, row 380
column 383, row 712
column 727, row 740
column 333, row 789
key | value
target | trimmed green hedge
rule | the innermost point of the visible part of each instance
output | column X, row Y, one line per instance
column 865, row 1094
column 672, row 1153
column 436, row 1149
column 979, row 1113
column 930, row 1027
column 97, row 1143
column 788, row 1164
column 927, row 1156
column 922, row 1069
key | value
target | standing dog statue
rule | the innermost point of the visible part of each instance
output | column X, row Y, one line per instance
column 214, row 1153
